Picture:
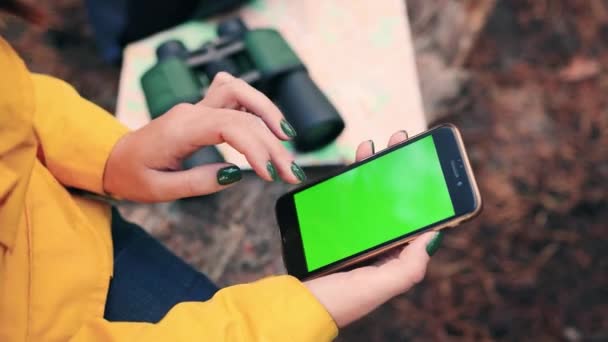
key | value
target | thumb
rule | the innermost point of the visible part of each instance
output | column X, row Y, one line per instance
column 197, row 181
column 348, row 296
column 401, row 273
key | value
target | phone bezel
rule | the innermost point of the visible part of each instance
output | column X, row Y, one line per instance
column 466, row 199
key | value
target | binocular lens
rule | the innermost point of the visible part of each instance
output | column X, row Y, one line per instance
column 314, row 118
column 319, row 135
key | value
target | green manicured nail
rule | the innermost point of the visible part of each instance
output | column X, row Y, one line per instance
column 298, row 172
column 272, row 171
column 288, row 129
column 434, row 244
column 371, row 143
column 229, row 175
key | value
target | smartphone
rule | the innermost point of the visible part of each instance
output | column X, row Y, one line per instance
column 377, row 204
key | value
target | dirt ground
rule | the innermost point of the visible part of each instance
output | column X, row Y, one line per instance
column 534, row 116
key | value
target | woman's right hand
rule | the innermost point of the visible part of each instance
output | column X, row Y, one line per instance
column 145, row 164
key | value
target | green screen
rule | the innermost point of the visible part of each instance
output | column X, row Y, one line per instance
column 389, row 197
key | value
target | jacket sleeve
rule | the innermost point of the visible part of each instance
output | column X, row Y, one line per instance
column 273, row 309
column 75, row 135
column 17, row 141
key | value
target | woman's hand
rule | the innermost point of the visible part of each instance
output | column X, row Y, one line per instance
column 145, row 164
column 348, row 296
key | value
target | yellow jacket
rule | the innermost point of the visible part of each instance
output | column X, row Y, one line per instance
column 56, row 248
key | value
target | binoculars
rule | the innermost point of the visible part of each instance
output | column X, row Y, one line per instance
column 262, row 58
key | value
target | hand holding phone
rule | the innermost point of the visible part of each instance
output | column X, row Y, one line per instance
column 348, row 296
column 377, row 204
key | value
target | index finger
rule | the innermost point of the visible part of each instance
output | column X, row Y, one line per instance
column 398, row 137
column 231, row 91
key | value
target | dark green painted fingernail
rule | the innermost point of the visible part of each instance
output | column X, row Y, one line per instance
column 229, row 175
column 298, row 172
column 371, row 143
column 272, row 171
column 434, row 244
column 288, row 129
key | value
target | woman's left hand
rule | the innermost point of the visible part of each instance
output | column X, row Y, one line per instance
column 348, row 296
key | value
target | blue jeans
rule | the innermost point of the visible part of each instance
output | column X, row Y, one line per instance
column 148, row 279
column 118, row 22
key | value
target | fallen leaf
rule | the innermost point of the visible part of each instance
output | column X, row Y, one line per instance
column 580, row 69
